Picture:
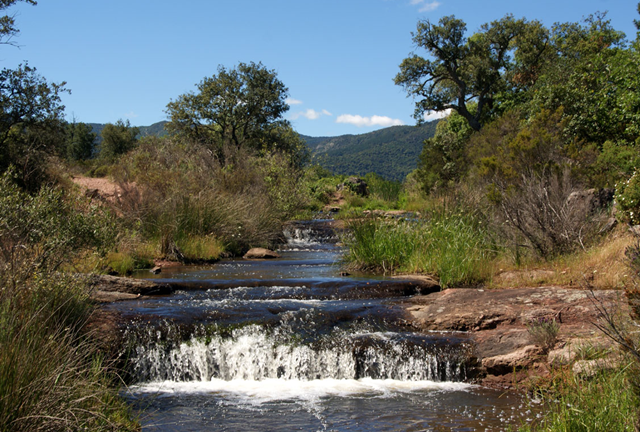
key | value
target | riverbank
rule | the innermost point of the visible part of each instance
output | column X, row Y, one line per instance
column 497, row 320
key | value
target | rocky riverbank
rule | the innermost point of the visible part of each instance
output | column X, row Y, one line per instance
column 498, row 320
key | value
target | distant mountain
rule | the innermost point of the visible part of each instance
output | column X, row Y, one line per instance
column 391, row 152
column 155, row 129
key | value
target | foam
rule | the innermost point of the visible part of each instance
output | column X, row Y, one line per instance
column 269, row 390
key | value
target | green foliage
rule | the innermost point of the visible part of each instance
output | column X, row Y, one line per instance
column 117, row 139
column 501, row 58
column 390, row 152
column 605, row 402
column 240, row 107
column 31, row 126
column 615, row 163
column 628, row 199
column 454, row 247
column 190, row 193
column 80, row 141
column 385, row 190
column 544, row 333
column 443, row 160
column 594, row 79
column 8, row 29
column 51, row 376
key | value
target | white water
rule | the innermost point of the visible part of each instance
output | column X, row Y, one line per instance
column 252, row 392
column 252, row 353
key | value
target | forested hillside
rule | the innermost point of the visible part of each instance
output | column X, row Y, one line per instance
column 391, row 152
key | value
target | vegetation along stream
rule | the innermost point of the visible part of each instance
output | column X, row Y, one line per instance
column 291, row 344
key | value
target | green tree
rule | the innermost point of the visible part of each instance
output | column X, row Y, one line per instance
column 8, row 27
column 470, row 75
column 80, row 141
column 117, row 139
column 241, row 107
column 443, row 160
column 31, row 122
column 593, row 78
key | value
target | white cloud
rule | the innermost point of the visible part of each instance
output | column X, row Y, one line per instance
column 292, row 101
column 426, row 5
column 310, row 114
column 130, row 115
column 375, row 120
column 435, row 115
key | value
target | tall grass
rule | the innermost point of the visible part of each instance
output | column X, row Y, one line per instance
column 605, row 402
column 51, row 374
column 189, row 201
column 451, row 246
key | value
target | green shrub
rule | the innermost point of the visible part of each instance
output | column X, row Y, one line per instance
column 544, row 333
column 51, row 375
column 628, row 199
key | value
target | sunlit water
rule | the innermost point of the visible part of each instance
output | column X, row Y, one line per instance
column 290, row 344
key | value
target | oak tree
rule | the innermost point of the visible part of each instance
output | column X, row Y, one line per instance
column 240, row 107
column 501, row 59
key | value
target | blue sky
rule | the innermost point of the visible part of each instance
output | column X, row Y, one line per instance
column 126, row 59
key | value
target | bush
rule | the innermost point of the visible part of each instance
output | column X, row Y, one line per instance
column 544, row 333
column 51, row 375
column 628, row 199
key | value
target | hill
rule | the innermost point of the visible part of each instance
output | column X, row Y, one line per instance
column 391, row 152
column 155, row 129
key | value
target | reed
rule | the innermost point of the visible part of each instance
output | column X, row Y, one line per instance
column 451, row 246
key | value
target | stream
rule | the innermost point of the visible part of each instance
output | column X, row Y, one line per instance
column 292, row 344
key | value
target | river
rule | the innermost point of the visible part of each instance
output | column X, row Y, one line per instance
column 292, row 344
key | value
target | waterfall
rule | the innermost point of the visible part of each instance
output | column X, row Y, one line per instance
column 255, row 353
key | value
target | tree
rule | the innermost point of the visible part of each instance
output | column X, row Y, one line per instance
column 443, row 160
column 31, row 119
column 8, row 23
column 117, row 139
column 500, row 59
column 80, row 141
column 241, row 107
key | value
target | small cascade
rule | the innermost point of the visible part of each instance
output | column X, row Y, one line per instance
column 255, row 353
column 306, row 234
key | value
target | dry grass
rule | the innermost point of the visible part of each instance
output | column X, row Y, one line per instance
column 602, row 265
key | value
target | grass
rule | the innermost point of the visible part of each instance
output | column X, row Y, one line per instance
column 453, row 247
column 601, row 265
column 605, row 402
column 52, row 376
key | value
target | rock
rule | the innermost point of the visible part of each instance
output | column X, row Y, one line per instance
column 589, row 368
column 355, row 185
column 427, row 283
column 122, row 288
column 496, row 320
column 592, row 200
column 260, row 253
column 507, row 363
column 156, row 270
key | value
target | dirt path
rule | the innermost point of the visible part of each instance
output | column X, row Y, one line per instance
column 102, row 188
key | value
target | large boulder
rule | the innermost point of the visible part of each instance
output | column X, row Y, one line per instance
column 260, row 253
column 591, row 200
column 355, row 185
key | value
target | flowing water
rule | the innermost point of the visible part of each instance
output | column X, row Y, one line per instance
column 291, row 344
